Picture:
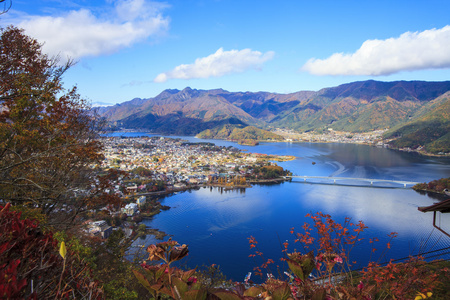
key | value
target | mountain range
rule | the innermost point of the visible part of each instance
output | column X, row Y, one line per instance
column 404, row 107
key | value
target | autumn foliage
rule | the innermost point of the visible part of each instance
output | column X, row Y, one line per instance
column 437, row 186
column 31, row 268
column 320, row 270
column 323, row 267
column 49, row 148
column 48, row 135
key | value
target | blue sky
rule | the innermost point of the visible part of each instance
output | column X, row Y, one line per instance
column 137, row 48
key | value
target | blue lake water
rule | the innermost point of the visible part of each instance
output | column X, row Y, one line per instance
column 216, row 225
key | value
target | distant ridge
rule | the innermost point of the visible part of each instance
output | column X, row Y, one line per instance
column 353, row 107
column 399, row 90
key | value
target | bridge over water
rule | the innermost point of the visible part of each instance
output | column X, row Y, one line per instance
column 354, row 181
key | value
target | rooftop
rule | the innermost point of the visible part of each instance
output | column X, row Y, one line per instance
column 443, row 207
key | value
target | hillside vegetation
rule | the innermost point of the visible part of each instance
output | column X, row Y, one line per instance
column 239, row 132
column 430, row 131
column 437, row 186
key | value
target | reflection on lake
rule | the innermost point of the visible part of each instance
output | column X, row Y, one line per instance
column 216, row 224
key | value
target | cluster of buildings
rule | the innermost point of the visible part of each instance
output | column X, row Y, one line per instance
column 333, row 136
column 175, row 162
column 102, row 229
column 133, row 208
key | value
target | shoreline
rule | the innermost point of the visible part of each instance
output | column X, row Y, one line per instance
column 198, row 186
column 287, row 140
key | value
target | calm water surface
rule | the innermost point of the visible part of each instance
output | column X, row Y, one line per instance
column 216, row 224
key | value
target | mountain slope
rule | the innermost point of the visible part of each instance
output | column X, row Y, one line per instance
column 399, row 90
column 430, row 128
column 178, row 112
column 362, row 106
column 353, row 107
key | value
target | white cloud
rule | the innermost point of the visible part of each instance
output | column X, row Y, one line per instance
column 429, row 49
column 218, row 64
column 80, row 33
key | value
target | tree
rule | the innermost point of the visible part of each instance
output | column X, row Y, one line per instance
column 143, row 172
column 48, row 135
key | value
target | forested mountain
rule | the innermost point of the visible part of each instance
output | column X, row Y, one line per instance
column 430, row 129
column 353, row 107
column 238, row 132
column 362, row 106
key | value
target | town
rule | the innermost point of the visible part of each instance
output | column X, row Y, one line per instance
column 334, row 136
column 159, row 166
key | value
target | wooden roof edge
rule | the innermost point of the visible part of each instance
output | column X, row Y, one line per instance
column 443, row 206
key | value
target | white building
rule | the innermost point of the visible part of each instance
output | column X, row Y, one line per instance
column 100, row 228
column 130, row 209
column 141, row 200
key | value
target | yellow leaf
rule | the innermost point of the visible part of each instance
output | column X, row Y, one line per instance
column 63, row 250
column 422, row 296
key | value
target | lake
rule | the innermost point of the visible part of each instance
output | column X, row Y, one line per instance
column 216, row 224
